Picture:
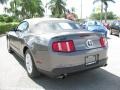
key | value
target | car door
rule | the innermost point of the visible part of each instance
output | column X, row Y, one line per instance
column 116, row 27
column 20, row 32
column 113, row 25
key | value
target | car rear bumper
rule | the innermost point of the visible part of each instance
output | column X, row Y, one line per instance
column 79, row 67
column 66, row 70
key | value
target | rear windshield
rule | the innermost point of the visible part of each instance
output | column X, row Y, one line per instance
column 94, row 23
column 69, row 25
column 55, row 26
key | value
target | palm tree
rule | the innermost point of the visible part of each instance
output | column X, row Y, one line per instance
column 105, row 2
column 26, row 8
column 57, row 7
column 3, row 1
column 13, row 9
column 37, row 9
column 32, row 8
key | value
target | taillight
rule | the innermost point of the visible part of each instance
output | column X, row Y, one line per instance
column 103, row 41
column 63, row 46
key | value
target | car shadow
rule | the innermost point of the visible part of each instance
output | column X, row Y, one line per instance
column 95, row 79
column 19, row 59
column 108, row 38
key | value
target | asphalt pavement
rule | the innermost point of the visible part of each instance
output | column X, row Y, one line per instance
column 14, row 77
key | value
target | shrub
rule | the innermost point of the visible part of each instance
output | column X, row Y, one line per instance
column 8, row 19
column 110, row 16
column 5, row 27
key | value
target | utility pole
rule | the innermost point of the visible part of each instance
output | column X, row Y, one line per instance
column 81, row 10
column 46, row 9
column 101, row 14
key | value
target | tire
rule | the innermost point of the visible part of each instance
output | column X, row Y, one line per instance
column 119, row 34
column 111, row 32
column 30, row 65
column 8, row 47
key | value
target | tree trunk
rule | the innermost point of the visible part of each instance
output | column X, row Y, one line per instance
column 101, row 15
column 105, row 14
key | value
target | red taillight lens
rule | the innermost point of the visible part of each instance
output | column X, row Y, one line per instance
column 63, row 46
column 103, row 41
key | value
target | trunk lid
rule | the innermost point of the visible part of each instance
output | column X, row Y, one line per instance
column 83, row 40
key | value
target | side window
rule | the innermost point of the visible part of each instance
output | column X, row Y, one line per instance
column 114, row 23
column 23, row 26
column 117, row 24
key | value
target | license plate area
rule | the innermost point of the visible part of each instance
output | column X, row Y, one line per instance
column 90, row 60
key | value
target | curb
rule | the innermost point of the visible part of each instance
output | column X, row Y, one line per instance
column 2, row 35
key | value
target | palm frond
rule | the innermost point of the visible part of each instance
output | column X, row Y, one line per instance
column 95, row 1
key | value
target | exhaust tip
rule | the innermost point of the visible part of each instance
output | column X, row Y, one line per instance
column 62, row 76
column 105, row 65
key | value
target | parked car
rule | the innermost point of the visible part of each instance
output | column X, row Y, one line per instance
column 107, row 25
column 56, row 47
column 115, row 28
column 95, row 26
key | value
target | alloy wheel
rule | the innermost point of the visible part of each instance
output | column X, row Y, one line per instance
column 29, row 65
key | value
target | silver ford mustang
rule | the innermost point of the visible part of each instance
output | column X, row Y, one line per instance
column 56, row 47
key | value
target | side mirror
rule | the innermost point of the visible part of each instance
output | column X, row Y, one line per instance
column 14, row 29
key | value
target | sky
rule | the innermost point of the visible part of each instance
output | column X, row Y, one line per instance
column 87, row 7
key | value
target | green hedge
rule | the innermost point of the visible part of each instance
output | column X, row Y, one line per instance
column 5, row 27
column 7, row 19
